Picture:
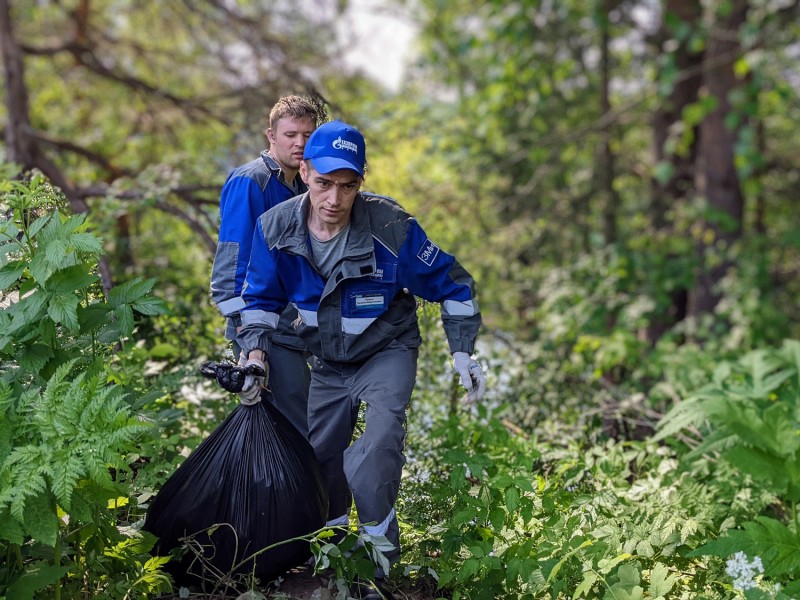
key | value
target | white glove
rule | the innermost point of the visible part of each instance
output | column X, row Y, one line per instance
column 253, row 384
column 471, row 375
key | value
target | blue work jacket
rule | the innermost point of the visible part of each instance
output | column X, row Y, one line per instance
column 249, row 191
column 368, row 299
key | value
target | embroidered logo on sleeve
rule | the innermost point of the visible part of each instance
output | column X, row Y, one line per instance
column 428, row 252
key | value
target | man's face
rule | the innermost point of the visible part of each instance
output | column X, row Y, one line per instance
column 331, row 195
column 288, row 139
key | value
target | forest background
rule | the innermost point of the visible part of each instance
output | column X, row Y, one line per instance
column 618, row 176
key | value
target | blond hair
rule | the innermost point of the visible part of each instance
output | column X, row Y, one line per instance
column 295, row 107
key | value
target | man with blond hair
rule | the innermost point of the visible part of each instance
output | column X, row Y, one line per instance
column 250, row 190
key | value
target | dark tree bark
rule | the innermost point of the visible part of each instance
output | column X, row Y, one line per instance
column 22, row 146
column 669, row 113
column 665, row 118
column 716, row 178
column 607, row 159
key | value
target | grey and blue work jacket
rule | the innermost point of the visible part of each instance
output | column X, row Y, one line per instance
column 249, row 191
column 368, row 299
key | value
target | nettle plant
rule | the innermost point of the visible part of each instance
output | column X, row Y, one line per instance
column 65, row 429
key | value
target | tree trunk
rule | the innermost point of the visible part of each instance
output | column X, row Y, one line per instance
column 669, row 113
column 22, row 147
column 607, row 163
column 716, row 179
column 676, row 189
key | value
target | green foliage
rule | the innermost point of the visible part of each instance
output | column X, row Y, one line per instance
column 748, row 416
column 65, row 431
column 499, row 515
column 776, row 544
column 353, row 557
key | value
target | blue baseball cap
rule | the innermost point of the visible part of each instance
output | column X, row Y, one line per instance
column 336, row 145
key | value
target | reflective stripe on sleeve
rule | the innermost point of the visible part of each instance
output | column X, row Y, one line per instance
column 456, row 308
column 232, row 305
column 260, row 317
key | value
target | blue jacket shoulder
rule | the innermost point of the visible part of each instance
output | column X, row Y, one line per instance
column 257, row 170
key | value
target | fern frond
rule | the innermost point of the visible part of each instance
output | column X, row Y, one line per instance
column 65, row 479
column 26, row 487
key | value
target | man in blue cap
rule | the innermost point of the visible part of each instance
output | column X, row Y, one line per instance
column 351, row 263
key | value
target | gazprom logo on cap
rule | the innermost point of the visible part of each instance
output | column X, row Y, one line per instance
column 428, row 252
column 341, row 144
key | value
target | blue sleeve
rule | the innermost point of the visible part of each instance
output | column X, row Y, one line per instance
column 429, row 270
column 263, row 295
column 241, row 203
column 431, row 273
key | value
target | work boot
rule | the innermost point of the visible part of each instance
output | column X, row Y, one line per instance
column 370, row 590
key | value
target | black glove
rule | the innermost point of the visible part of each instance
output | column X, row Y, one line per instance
column 231, row 377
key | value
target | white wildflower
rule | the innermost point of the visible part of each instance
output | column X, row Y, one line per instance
column 743, row 571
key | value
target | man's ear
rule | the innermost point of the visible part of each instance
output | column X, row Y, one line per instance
column 270, row 135
column 304, row 172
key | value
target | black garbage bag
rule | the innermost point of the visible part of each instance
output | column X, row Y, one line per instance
column 257, row 477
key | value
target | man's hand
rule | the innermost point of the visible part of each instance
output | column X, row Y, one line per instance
column 471, row 375
column 256, row 376
column 247, row 378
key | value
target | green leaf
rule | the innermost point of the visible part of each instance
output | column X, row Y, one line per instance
column 41, row 521
column 36, row 226
column 34, row 357
column 10, row 529
column 71, row 279
column 124, row 315
column 37, row 576
column 469, row 569
column 55, row 253
column 629, row 574
column 149, row 306
column 791, row 350
column 164, row 351
column 87, row 243
column 11, row 272
column 512, row 499
column 618, row 592
column 661, row 582
column 110, row 333
column 663, row 172
column 586, row 584
column 63, row 309
column 93, row 317
column 497, row 517
column 130, row 291
column 463, row 516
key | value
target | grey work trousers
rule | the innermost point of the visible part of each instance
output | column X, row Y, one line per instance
column 367, row 471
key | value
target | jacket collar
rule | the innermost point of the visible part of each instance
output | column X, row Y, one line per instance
column 296, row 186
column 359, row 258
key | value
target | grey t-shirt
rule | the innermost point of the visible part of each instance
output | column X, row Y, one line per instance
column 328, row 253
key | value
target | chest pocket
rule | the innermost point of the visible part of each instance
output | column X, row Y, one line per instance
column 371, row 296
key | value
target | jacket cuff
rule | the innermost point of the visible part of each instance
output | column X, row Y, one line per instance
column 251, row 338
